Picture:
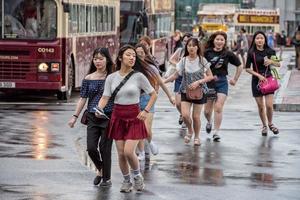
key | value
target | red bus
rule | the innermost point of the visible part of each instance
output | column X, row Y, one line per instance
column 148, row 17
column 48, row 44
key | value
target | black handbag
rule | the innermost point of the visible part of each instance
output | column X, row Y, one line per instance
column 84, row 119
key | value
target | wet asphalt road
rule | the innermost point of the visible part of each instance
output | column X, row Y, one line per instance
column 39, row 159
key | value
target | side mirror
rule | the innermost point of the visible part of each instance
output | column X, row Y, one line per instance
column 66, row 7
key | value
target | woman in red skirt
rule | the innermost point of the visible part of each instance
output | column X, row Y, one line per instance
column 127, row 125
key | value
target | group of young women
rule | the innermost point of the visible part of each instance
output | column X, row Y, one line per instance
column 131, row 110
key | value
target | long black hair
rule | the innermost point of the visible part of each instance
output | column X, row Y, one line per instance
column 253, row 45
column 139, row 65
column 109, row 63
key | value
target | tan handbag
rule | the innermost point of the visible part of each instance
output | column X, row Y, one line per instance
column 195, row 94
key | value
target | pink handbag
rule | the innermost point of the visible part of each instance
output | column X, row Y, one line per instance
column 268, row 86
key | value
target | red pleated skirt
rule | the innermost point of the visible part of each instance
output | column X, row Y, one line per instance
column 124, row 124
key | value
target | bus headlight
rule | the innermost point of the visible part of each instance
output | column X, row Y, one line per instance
column 43, row 67
column 54, row 67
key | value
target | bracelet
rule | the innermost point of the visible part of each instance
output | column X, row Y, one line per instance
column 75, row 116
column 147, row 111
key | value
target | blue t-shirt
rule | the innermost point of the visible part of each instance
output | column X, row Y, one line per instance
column 93, row 90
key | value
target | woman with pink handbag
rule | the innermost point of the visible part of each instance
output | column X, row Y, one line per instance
column 259, row 57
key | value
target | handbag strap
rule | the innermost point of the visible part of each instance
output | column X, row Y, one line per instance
column 114, row 94
column 254, row 58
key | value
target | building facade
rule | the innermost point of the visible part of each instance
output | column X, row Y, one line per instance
column 289, row 13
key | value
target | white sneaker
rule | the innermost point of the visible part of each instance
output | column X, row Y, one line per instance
column 126, row 187
column 141, row 156
column 153, row 148
column 139, row 183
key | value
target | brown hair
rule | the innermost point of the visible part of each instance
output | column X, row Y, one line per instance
column 210, row 42
column 148, row 57
column 145, row 38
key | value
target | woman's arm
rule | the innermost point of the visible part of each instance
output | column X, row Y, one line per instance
column 208, row 76
column 143, row 114
column 174, row 59
column 165, row 89
column 268, row 62
column 171, row 78
column 78, row 110
column 237, row 74
column 252, row 72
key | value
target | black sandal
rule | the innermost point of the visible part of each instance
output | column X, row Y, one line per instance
column 264, row 131
column 273, row 129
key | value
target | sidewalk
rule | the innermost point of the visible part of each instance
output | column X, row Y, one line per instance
column 287, row 98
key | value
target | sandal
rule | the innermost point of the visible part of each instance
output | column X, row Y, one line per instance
column 264, row 131
column 197, row 142
column 187, row 138
column 273, row 129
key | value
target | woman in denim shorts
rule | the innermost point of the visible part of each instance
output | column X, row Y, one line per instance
column 217, row 54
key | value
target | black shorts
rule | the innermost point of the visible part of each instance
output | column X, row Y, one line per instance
column 201, row 101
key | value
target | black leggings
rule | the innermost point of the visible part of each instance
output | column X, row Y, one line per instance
column 101, row 158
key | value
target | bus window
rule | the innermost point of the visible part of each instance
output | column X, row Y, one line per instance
column 29, row 19
column 99, row 19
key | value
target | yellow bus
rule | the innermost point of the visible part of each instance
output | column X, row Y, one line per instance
column 215, row 17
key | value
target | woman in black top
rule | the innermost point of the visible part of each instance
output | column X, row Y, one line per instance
column 259, row 56
column 217, row 54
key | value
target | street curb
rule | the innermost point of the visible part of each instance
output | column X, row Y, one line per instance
column 278, row 97
column 83, row 154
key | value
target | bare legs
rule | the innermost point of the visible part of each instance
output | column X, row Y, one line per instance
column 127, row 156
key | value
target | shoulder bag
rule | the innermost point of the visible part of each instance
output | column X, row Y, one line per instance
column 268, row 86
column 195, row 94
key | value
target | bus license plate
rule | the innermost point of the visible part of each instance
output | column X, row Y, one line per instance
column 7, row 84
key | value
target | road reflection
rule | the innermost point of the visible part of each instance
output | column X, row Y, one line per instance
column 193, row 169
column 264, row 163
column 40, row 137
column 26, row 135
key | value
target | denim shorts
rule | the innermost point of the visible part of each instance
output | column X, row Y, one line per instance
column 221, row 85
column 144, row 99
column 177, row 84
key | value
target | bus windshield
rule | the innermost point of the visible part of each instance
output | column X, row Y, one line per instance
column 28, row 19
column 214, row 19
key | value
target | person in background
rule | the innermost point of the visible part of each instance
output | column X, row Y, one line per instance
column 174, row 59
column 144, row 151
column 219, row 56
column 146, row 41
column 242, row 45
column 296, row 43
column 270, row 39
column 259, row 58
column 281, row 42
column 127, row 123
column 176, row 41
column 98, row 145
